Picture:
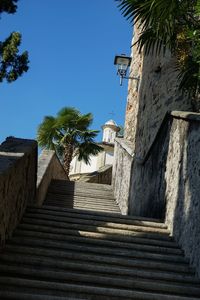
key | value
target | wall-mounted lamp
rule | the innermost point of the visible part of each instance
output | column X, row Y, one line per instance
column 123, row 62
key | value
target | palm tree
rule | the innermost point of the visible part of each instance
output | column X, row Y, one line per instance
column 169, row 24
column 69, row 135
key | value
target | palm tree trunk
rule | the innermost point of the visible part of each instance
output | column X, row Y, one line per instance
column 68, row 154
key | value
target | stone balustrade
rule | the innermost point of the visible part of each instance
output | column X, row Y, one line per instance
column 123, row 158
column 49, row 167
column 18, row 171
column 165, row 184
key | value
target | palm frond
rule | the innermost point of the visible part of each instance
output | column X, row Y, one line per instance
column 156, row 19
column 197, row 8
column 173, row 25
column 47, row 133
column 69, row 128
column 86, row 149
column 72, row 111
column 87, row 135
column 84, row 121
column 189, row 76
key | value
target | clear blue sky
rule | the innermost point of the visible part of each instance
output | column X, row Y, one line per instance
column 71, row 46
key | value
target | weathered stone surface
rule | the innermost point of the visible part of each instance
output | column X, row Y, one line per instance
column 49, row 167
column 147, row 188
column 133, row 92
column 168, row 181
column 18, row 168
column 182, row 178
column 158, row 93
column 102, row 176
column 123, row 158
column 167, row 184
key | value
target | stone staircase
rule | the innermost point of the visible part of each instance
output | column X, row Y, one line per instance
column 78, row 246
column 79, row 195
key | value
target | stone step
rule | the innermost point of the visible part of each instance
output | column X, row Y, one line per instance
column 65, row 188
column 138, row 232
column 59, row 253
column 92, row 208
column 43, row 226
column 127, row 273
column 83, row 203
column 60, row 211
column 97, row 243
column 91, row 268
column 85, row 185
column 79, row 194
column 101, row 280
column 124, row 218
column 63, row 218
column 96, row 259
column 21, row 295
column 103, row 218
column 62, row 245
column 63, row 289
column 78, row 199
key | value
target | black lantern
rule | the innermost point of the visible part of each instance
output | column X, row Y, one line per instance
column 123, row 63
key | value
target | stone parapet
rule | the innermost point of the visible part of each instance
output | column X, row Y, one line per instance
column 49, row 167
column 182, row 177
column 167, row 184
column 102, row 176
column 123, row 159
column 18, row 169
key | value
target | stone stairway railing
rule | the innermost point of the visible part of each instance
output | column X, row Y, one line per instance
column 165, row 183
column 18, row 175
column 24, row 180
column 102, row 176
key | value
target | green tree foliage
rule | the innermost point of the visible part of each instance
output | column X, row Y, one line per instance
column 69, row 135
column 170, row 24
column 12, row 64
column 8, row 6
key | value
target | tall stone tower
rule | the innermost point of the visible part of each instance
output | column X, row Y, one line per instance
column 156, row 94
column 110, row 130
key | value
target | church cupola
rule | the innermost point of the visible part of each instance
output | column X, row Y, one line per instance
column 110, row 130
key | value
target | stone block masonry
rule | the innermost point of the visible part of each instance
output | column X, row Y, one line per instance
column 166, row 183
column 182, row 177
column 123, row 158
column 49, row 167
column 157, row 94
column 18, row 171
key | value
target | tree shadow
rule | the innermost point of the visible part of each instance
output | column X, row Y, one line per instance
column 61, row 194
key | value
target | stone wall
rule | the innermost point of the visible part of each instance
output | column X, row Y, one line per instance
column 49, row 167
column 147, row 188
column 158, row 93
column 182, row 190
column 166, row 184
column 162, row 176
column 123, row 158
column 132, row 105
column 102, row 176
column 18, row 169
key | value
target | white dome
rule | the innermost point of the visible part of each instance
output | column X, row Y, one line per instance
column 111, row 122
